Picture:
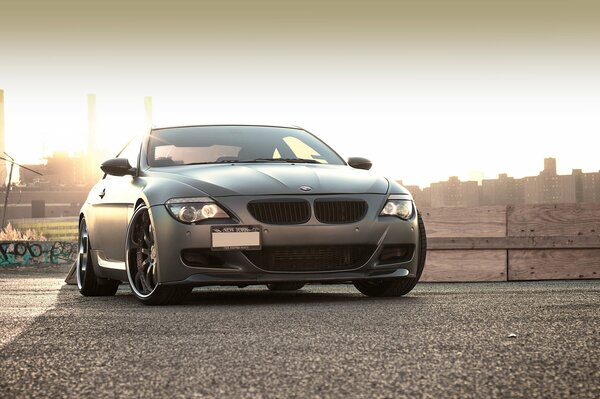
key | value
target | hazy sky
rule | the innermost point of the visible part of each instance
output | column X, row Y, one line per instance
column 426, row 89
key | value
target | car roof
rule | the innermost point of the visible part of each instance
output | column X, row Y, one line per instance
column 226, row 125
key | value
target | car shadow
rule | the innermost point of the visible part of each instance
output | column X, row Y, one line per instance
column 233, row 296
column 262, row 296
column 253, row 297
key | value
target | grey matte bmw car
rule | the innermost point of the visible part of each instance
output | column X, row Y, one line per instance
column 236, row 205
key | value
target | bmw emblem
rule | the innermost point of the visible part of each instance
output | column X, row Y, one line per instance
column 305, row 188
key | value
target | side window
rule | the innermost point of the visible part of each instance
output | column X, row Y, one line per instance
column 132, row 151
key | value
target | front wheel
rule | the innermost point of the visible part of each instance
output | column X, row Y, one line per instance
column 142, row 263
column 397, row 286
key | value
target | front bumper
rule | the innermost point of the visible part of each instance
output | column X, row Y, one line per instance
column 172, row 237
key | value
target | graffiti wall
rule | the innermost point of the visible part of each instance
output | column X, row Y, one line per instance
column 32, row 253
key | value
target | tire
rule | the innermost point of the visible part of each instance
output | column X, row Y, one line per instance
column 285, row 286
column 397, row 286
column 141, row 262
column 87, row 282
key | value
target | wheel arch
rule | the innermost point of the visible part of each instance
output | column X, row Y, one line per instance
column 140, row 201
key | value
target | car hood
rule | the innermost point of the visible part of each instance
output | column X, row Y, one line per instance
column 275, row 179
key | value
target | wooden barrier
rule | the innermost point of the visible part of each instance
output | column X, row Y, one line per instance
column 517, row 242
column 465, row 265
column 455, row 257
column 553, row 220
column 483, row 221
column 551, row 264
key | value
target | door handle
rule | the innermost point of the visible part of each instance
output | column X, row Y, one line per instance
column 103, row 193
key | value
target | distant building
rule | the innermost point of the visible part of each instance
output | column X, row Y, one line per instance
column 65, row 170
column 587, row 185
column 60, row 170
column 422, row 197
column 426, row 196
column 549, row 187
column 504, row 190
column 455, row 193
column 549, row 167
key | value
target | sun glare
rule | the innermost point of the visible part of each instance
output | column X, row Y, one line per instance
column 418, row 142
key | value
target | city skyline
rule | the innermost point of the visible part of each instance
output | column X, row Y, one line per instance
column 547, row 187
column 480, row 178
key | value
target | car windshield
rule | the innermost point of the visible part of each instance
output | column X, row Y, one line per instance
column 230, row 144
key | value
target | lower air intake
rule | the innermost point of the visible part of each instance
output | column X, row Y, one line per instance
column 315, row 258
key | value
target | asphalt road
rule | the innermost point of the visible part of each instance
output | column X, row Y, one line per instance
column 444, row 340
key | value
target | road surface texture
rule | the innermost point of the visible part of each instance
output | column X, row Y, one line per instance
column 444, row 340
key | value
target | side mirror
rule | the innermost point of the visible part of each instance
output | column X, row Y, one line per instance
column 117, row 167
column 359, row 163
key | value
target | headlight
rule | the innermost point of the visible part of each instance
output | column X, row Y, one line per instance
column 402, row 208
column 192, row 210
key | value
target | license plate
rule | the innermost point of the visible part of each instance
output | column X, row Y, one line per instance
column 227, row 238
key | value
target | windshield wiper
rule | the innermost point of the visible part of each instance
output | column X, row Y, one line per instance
column 288, row 160
column 213, row 162
column 258, row 160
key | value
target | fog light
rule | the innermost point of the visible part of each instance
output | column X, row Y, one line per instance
column 396, row 253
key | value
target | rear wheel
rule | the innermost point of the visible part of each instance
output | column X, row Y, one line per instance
column 285, row 286
column 87, row 282
column 397, row 286
column 142, row 263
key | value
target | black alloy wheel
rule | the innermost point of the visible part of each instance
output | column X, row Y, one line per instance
column 142, row 263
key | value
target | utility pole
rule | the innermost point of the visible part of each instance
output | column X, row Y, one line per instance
column 2, row 167
column 12, row 165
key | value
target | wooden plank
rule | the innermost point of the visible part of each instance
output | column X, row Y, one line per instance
column 459, row 243
column 553, row 264
column 553, row 220
column 484, row 265
column 481, row 221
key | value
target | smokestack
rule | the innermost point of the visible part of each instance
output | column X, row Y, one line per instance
column 93, row 171
column 148, row 111
column 91, row 100
column 2, row 148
